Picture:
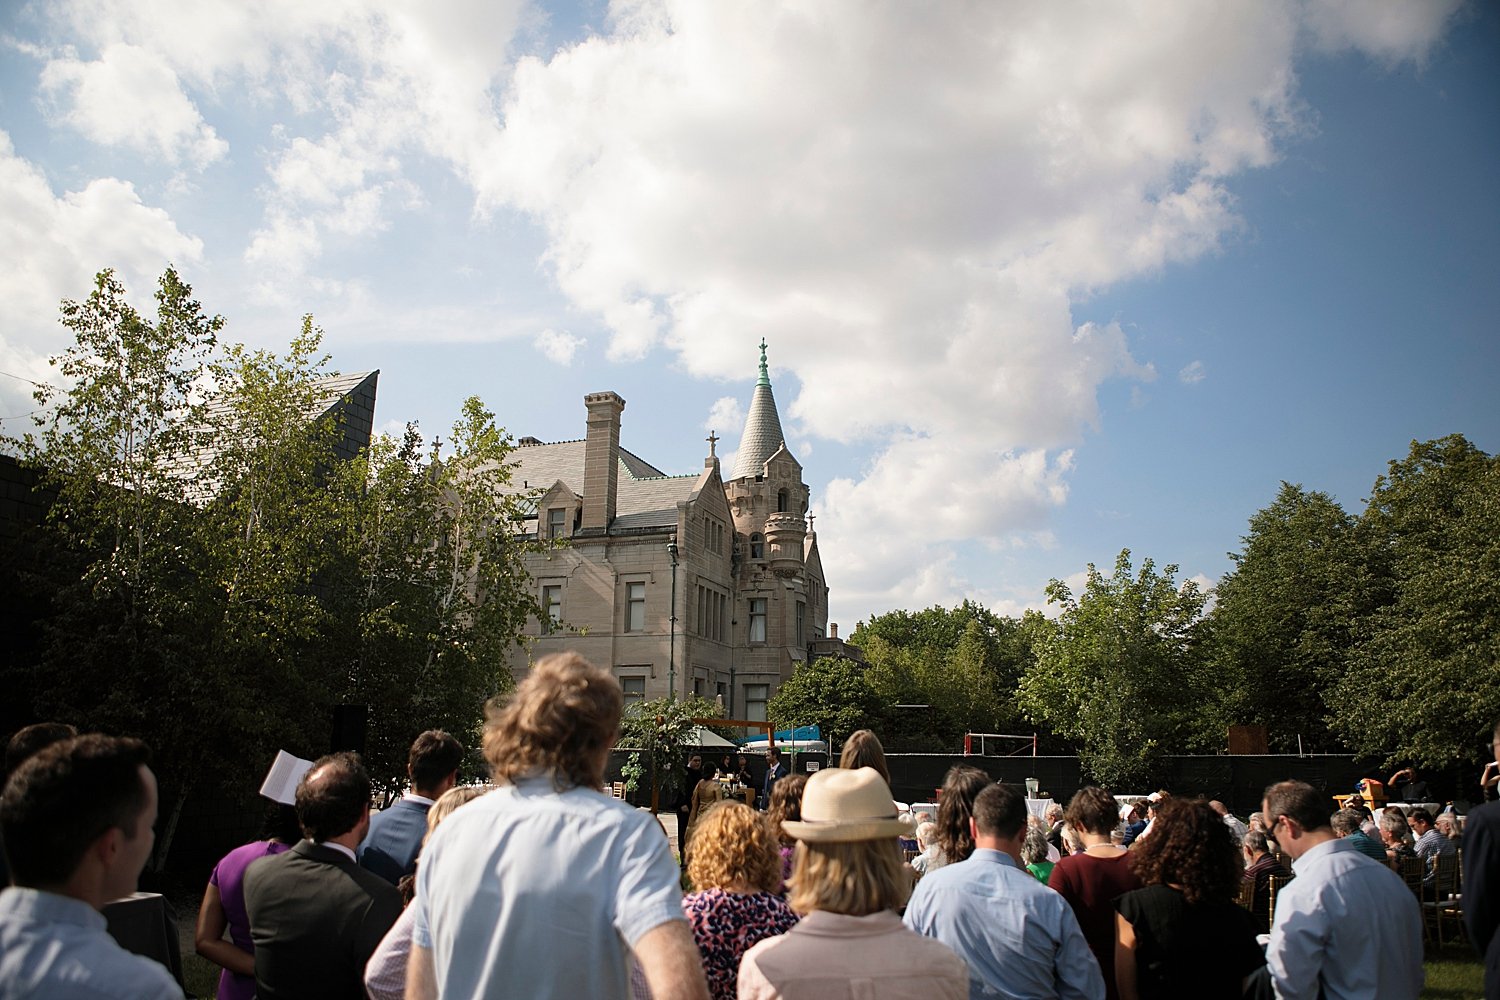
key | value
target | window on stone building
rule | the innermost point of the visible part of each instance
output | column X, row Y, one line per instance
column 635, row 607
column 757, row 619
column 781, row 501
column 700, row 684
column 801, row 623
column 552, row 606
column 634, row 689
column 756, row 696
column 757, row 546
column 555, row 517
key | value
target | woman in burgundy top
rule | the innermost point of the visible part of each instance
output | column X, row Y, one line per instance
column 1093, row 878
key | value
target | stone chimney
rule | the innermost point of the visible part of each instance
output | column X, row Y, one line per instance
column 601, row 461
column 833, row 630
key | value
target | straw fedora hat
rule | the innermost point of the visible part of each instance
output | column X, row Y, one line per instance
column 846, row 804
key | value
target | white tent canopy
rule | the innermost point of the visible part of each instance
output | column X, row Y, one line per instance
column 702, row 737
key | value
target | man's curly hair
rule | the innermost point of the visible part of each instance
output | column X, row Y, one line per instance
column 733, row 844
column 1190, row 846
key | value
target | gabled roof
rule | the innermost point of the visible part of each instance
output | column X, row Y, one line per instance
column 646, row 497
column 762, row 435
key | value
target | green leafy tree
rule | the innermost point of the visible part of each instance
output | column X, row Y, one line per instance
column 1121, row 671
column 656, row 732
column 832, row 693
column 1284, row 618
column 436, row 592
column 1421, row 684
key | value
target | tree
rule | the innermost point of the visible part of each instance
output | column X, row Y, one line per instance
column 438, row 590
column 1121, row 671
column 1421, row 684
column 832, row 693
column 962, row 663
column 1284, row 618
column 656, row 733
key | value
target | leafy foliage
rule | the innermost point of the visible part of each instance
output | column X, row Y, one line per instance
column 657, row 731
column 832, row 693
column 1284, row 618
column 1121, row 671
column 1421, row 683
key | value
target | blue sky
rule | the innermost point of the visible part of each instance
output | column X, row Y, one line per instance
column 1040, row 281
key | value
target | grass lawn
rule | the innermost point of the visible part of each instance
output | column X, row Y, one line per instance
column 1454, row 972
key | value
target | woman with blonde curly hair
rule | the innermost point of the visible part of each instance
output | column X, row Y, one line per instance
column 1184, row 934
column 736, row 875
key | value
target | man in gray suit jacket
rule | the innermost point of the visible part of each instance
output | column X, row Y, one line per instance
column 315, row 914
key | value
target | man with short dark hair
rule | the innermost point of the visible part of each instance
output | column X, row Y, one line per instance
column 775, row 771
column 78, row 819
column 546, row 888
column 391, row 847
column 1019, row 938
column 316, row 916
column 1481, row 899
column 1346, row 927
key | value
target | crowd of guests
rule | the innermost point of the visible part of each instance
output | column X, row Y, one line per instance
column 538, row 885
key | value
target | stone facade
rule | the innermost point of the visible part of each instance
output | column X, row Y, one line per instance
column 747, row 593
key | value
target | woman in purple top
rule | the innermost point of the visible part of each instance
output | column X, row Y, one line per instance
column 737, row 873
column 224, row 906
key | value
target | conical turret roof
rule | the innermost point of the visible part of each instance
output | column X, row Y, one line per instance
column 762, row 435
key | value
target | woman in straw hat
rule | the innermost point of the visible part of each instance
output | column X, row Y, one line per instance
column 848, row 881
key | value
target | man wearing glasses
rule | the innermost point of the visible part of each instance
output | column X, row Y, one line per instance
column 1481, row 899
column 1346, row 927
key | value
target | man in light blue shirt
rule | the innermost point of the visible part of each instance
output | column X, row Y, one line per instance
column 1346, row 926
column 1019, row 938
column 546, row 887
column 78, row 820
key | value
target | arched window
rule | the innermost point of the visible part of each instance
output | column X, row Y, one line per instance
column 781, row 500
column 757, row 546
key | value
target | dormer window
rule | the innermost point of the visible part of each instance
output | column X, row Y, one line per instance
column 757, row 546
column 555, row 522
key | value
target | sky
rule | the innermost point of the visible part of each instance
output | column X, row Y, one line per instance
column 1039, row 281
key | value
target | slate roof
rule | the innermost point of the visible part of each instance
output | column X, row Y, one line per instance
column 646, row 497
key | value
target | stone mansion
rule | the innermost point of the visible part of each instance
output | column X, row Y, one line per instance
column 690, row 583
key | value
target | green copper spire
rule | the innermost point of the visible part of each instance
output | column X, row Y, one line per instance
column 765, row 376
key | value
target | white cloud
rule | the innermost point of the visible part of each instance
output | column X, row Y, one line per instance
column 131, row 97
column 1389, row 31
column 1192, row 373
column 558, row 348
column 726, row 416
column 66, row 240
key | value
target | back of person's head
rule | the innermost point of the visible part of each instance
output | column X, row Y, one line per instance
column 1419, row 815
column 65, row 796
column 1092, row 810
column 30, row 739
column 1055, row 813
column 434, row 755
column 734, row 845
column 925, row 833
column 863, row 749
column 332, row 796
column 1393, row 823
column 451, row 800
column 1345, row 822
column 1296, row 800
column 560, row 721
column 1034, row 850
column 1256, row 844
column 280, row 822
column 1000, row 811
column 1192, row 848
column 961, row 786
column 786, row 804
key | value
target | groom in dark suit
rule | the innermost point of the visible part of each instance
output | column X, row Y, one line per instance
column 316, row 915
column 775, row 771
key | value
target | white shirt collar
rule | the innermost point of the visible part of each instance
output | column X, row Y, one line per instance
column 341, row 849
column 414, row 797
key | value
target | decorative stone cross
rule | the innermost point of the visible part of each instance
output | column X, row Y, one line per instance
column 712, row 440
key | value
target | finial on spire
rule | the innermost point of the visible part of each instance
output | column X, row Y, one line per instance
column 765, row 376
column 712, row 440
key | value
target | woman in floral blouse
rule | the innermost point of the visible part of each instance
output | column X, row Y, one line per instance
column 736, row 871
